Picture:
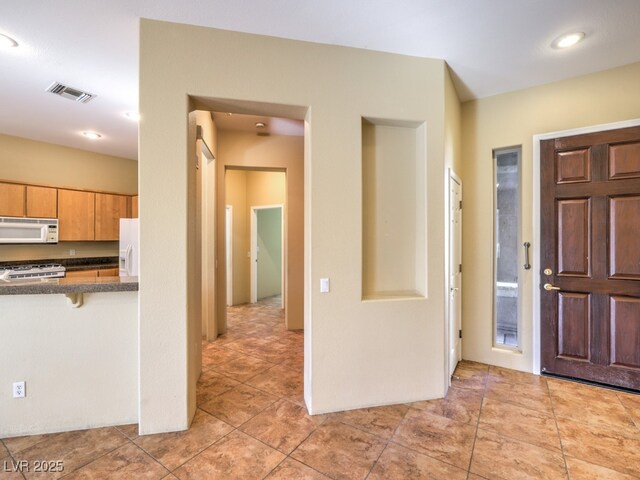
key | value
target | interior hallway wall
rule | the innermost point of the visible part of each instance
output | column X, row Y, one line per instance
column 356, row 353
column 508, row 120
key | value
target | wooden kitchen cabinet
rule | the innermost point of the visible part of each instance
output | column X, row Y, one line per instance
column 134, row 206
column 109, row 210
column 81, row 273
column 12, row 198
column 76, row 215
column 108, row 272
column 42, row 202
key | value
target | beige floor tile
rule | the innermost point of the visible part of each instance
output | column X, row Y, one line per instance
column 124, row 463
column 130, row 431
column 175, row 448
column 580, row 470
column 283, row 425
column 8, row 469
column 340, row 451
column 608, row 447
column 529, row 395
column 213, row 384
column 595, row 406
column 236, row 456
column 218, row 356
column 495, row 456
column 470, row 365
column 238, row 404
column 437, row 437
column 279, row 381
column 521, row 423
column 470, row 376
column 632, row 403
column 397, row 462
column 243, row 368
column 460, row 404
column 379, row 421
column 291, row 469
column 506, row 375
column 73, row 449
column 16, row 444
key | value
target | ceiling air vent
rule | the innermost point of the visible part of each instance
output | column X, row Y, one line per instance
column 70, row 92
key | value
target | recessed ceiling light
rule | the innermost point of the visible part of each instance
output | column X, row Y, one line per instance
column 135, row 116
column 7, row 42
column 92, row 135
column 260, row 125
column 567, row 40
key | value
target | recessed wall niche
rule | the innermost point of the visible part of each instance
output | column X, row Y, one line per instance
column 393, row 209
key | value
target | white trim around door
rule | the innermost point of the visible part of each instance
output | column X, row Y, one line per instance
column 536, row 218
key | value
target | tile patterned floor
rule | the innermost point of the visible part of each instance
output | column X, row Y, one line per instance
column 251, row 423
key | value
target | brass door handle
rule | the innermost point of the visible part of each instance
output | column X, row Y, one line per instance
column 548, row 286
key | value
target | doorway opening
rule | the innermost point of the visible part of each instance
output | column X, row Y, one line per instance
column 267, row 256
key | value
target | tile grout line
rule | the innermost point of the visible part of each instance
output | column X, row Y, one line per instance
column 12, row 457
column 388, row 441
column 555, row 419
column 475, row 437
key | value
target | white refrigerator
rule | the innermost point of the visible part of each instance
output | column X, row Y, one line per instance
column 129, row 247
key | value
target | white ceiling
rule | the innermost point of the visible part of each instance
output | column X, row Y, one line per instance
column 492, row 46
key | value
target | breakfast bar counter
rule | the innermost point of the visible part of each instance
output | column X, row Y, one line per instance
column 68, row 286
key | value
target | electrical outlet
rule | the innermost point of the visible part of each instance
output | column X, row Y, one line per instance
column 72, row 252
column 19, row 389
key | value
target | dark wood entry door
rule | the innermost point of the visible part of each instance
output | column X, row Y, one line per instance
column 590, row 254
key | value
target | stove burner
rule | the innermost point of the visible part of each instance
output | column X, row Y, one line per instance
column 10, row 272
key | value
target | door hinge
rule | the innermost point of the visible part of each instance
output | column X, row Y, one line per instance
column 460, row 204
column 460, row 268
column 459, row 333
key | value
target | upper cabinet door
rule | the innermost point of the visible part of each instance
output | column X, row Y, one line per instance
column 134, row 206
column 76, row 215
column 109, row 210
column 42, row 202
column 12, row 200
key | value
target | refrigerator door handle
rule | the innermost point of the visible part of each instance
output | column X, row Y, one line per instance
column 128, row 260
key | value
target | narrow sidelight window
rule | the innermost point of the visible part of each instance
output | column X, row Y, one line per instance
column 506, row 319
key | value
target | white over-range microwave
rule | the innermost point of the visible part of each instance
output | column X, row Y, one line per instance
column 28, row 230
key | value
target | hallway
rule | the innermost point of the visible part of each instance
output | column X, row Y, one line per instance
column 252, row 424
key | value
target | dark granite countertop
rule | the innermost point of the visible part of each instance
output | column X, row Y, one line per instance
column 73, row 264
column 69, row 285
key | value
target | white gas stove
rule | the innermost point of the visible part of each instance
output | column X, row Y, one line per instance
column 31, row 271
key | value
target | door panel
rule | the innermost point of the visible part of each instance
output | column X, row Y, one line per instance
column 625, row 331
column 590, row 213
column 624, row 247
column 624, row 161
column 574, row 227
column 573, row 166
column 573, row 325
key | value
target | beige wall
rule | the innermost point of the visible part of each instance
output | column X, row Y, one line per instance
column 249, row 151
column 509, row 120
column 29, row 161
column 40, row 163
column 236, row 197
column 356, row 353
column 79, row 364
column 244, row 189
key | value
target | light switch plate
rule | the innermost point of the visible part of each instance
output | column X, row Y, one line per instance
column 324, row 285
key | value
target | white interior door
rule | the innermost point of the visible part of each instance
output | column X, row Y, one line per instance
column 455, row 271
